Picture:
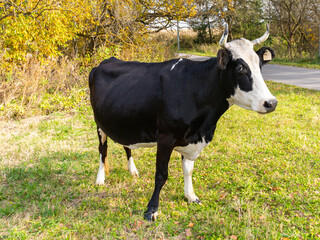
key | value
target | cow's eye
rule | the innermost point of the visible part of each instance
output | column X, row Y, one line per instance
column 240, row 68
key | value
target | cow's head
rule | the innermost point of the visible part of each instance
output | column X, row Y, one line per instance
column 240, row 68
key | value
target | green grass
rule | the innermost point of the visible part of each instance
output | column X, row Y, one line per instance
column 258, row 179
column 305, row 63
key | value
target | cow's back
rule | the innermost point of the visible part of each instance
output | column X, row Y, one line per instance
column 125, row 98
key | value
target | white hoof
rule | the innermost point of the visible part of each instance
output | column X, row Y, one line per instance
column 134, row 173
column 99, row 183
column 192, row 199
column 155, row 216
column 100, row 177
column 132, row 168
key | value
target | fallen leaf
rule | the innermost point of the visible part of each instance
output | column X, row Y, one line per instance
column 262, row 217
column 188, row 232
column 222, row 196
column 137, row 224
column 233, row 237
column 181, row 236
column 275, row 188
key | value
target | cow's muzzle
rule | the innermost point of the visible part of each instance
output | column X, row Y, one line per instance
column 270, row 105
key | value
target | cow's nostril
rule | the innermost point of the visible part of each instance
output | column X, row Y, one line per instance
column 267, row 104
column 270, row 105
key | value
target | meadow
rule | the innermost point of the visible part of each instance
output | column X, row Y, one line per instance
column 258, row 179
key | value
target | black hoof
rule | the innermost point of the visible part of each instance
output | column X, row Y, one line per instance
column 149, row 216
column 197, row 201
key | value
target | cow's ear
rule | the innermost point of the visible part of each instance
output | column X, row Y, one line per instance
column 266, row 54
column 223, row 59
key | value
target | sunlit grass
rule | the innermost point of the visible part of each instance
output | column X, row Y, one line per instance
column 305, row 63
column 258, row 179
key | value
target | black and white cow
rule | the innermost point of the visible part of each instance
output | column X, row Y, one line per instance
column 175, row 105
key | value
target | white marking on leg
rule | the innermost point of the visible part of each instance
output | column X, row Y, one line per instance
column 154, row 216
column 132, row 168
column 187, row 166
column 193, row 150
column 102, row 135
column 101, row 173
column 174, row 65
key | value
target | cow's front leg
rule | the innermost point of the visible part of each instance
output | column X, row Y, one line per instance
column 187, row 166
column 164, row 150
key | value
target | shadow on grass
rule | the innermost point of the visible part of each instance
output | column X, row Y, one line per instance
column 57, row 184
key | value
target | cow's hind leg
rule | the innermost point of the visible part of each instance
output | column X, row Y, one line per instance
column 131, row 166
column 164, row 150
column 104, row 166
column 187, row 166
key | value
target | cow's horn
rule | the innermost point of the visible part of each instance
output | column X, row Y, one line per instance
column 224, row 38
column 263, row 38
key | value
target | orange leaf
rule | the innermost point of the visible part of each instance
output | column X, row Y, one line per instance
column 233, row 237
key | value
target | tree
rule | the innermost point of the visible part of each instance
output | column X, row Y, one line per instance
column 39, row 27
column 295, row 20
column 46, row 28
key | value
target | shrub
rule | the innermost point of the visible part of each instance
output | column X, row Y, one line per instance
column 36, row 87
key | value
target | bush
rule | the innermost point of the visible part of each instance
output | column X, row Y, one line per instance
column 61, row 84
column 35, row 87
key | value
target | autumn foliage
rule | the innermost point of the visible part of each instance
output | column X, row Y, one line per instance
column 47, row 47
column 50, row 28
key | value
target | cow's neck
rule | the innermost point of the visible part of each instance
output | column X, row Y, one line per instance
column 216, row 91
column 214, row 97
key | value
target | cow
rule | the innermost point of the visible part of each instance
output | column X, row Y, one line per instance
column 175, row 105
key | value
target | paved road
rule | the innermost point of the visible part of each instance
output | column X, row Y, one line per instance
column 300, row 77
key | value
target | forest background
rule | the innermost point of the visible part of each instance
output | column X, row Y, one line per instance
column 48, row 47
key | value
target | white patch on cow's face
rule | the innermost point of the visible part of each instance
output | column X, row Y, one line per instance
column 256, row 98
column 174, row 65
column 191, row 151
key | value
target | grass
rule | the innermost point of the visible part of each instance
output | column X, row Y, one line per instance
column 305, row 63
column 258, row 179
